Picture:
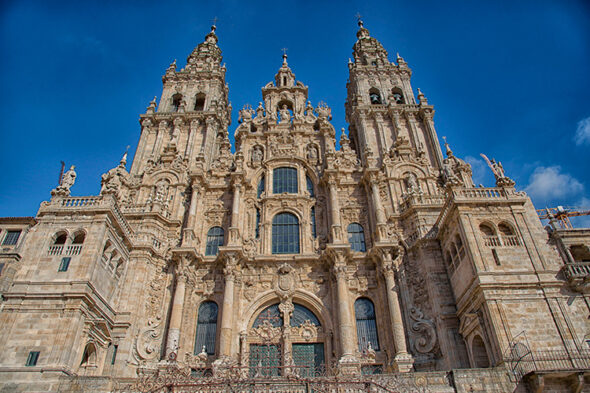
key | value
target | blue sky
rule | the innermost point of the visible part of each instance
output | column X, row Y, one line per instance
column 509, row 79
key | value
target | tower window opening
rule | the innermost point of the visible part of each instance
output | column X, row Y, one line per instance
column 176, row 100
column 375, row 97
column 200, row 102
column 257, row 227
column 284, row 81
column 310, row 186
column 398, row 96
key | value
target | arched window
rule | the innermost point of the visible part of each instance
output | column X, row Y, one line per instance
column 302, row 314
column 176, row 100
column 284, row 180
column 366, row 324
column 79, row 238
column 309, row 186
column 89, row 356
column 486, row 230
column 260, row 189
column 200, row 102
column 285, row 234
column 214, row 240
column 398, row 96
column 479, row 353
column 375, row 96
column 356, row 237
column 505, row 229
column 206, row 328
column 271, row 314
column 60, row 239
column 460, row 248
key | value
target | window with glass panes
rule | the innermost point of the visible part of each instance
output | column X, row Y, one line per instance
column 214, row 240
column 206, row 328
column 356, row 237
column 310, row 186
column 284, row 180
column 11, row 238
column 285, row 234
column 366, row 324
column 260, row 187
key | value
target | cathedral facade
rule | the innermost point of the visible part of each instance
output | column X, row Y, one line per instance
column 292, row 259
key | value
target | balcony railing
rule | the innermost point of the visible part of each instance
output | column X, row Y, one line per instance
column 74, row 249
column 504, row 241
column 55, row 250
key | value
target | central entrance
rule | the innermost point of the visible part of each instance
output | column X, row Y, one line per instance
column 285, row 339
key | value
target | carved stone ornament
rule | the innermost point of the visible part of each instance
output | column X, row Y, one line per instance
column 147, row 342
column 285, row 281
column 308, row 331
column 267, row 332
column 425, row 331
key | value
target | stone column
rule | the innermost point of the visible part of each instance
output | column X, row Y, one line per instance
column 173, row 337
column 403, row 361
column 378, row 206
column 189, row 232
column 227, row 311
column 336, row 227
column 235, row 213
column 348, row 363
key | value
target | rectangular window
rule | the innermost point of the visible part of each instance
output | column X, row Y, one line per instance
column 11, row 238
column 284, row 180
column 32, row 359
column 65, row 263
column 115, row 348
column 1, row 267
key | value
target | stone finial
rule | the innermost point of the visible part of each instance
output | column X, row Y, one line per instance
column 123, row 161
column 447, row 147
column 152, row 106
column 422, row 98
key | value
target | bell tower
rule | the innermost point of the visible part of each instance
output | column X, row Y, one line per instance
column 193, row 114
column 381, row 109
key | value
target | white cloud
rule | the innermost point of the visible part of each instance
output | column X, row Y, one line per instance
column 582, row 221
column 583, row 132
column 479, row 168
column 549, row 184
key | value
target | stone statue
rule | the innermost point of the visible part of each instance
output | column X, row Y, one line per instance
column 285, row 115
column 69, row 178
column 257, row 155
column 496, row 166
column 448, row 173
column 412, row 183
column 67, row 181
column 312, row 153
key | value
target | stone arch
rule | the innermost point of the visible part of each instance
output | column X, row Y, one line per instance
column 89, row 356
column 506, row 228
column 60, row 237
column 79, row 236
column 487, row 228
column 270, row 297
column 479, row 353
column 375, row 96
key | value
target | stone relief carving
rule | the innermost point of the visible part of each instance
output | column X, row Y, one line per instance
column 425, row 330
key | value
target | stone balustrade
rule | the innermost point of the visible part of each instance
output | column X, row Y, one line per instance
column 90, row 202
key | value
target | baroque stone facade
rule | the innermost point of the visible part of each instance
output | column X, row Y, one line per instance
column 378, row 260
